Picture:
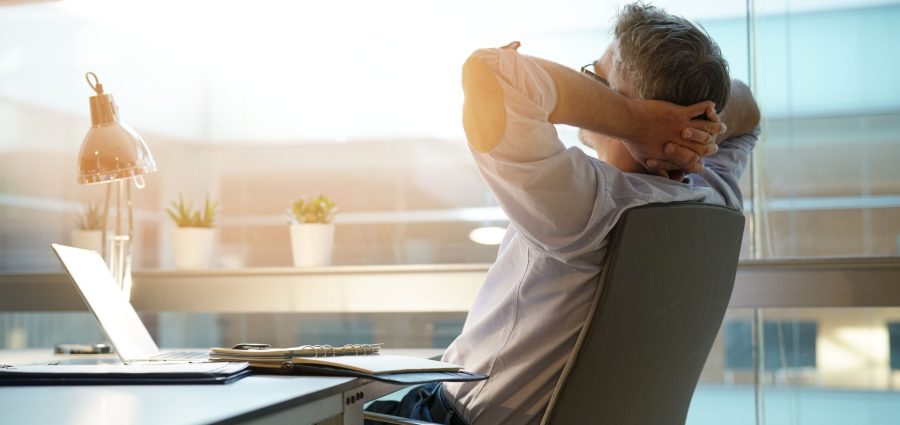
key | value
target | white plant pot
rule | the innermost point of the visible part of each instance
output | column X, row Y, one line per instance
column 311, row 244
column 193, row 247
column 88, row 239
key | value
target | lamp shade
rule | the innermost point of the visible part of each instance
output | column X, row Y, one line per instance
column 111, row 150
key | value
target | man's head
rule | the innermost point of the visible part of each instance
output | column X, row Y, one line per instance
column 655, row 55
column 665, row 57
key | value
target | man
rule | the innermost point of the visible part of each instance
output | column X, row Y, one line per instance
column 562, row 204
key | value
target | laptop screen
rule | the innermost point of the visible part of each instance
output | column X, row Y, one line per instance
column 117, row 317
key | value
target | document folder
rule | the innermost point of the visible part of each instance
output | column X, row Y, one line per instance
column 151, row 374
column 403, row 378
column 354, row 360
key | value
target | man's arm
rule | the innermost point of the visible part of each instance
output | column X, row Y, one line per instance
column 648, row 125
column 645, row 125
column 741, row 115
column 584, row 103
column 484, row 110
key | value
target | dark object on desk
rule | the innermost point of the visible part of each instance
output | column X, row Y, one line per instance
column 406, row 378
column 133, row 374
column 82, row 349
column 251, row 346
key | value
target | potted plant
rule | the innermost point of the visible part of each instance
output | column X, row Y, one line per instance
column 195, row 236
column 88, row 232
column 312, row 231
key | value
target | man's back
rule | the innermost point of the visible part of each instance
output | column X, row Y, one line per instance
column 562, row 205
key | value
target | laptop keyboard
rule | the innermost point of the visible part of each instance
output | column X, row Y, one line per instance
column 182, row 355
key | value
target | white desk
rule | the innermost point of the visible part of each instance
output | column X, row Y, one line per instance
column 255, row 399
column 258, row 399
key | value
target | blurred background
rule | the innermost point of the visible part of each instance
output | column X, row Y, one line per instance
column 259, row 103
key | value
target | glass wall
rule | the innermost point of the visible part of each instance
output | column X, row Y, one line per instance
column 827, row 81
column 258, row 105
column 826, row 185
column 821, row 366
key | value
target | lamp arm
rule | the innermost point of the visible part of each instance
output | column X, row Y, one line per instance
column 103, row 235
column 130, row 205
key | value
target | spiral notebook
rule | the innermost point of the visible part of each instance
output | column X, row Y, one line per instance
column 265, row 353
column 365, row 358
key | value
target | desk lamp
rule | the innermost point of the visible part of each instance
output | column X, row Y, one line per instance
column 114, row 154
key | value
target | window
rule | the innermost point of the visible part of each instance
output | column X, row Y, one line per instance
column 257, row 105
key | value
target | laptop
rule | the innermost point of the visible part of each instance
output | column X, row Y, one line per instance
column 117, row 318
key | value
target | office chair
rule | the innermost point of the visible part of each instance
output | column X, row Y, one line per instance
column 663, row 291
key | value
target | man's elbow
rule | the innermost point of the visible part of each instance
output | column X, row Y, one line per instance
column 484, row 112
column 741, row 114
column 471, row 74
column 753, row 115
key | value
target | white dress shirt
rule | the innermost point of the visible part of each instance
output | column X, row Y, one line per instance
column 562, row 205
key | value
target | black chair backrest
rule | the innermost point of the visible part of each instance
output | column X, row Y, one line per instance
column 663, row 292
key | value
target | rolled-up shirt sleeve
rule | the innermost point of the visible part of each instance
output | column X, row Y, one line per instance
column 529, row 96
column 548, row 192
column 723, row 170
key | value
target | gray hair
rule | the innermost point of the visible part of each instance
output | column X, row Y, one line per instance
column 665, row 57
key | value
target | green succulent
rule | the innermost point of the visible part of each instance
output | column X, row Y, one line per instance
column 90, row 219
column 185, row 215
column 317, row 210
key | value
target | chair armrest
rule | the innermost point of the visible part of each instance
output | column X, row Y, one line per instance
column 394, row 419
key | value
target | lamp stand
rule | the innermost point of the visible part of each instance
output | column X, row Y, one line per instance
column 117, row 247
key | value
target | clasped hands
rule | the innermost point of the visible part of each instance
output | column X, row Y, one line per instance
column 674, row 139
